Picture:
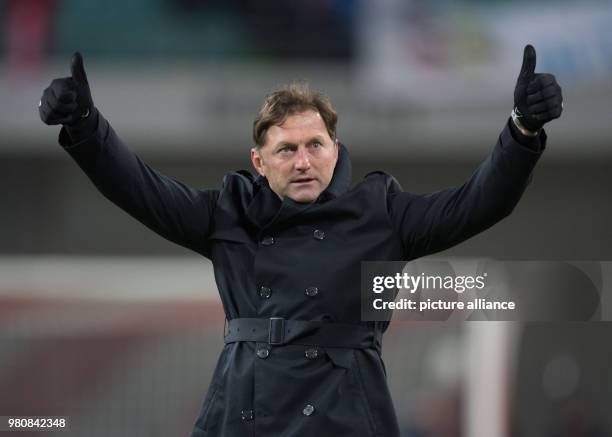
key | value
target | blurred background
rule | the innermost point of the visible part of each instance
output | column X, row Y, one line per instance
column 105, row 322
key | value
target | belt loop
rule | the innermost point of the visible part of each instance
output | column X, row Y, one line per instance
column 276, row 332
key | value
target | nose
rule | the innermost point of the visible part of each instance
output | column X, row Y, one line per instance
column 302, row 162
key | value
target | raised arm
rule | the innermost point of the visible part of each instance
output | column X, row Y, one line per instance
column 434, row 222
column 177, row 212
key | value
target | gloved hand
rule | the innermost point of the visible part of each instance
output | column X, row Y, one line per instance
column 537, row 96
column 68, row 100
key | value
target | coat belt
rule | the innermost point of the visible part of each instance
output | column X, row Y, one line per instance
column 280, row 331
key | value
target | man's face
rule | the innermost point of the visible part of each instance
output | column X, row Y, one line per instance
column 298, row 157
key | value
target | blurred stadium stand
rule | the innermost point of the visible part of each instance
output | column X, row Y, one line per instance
column 105, row 322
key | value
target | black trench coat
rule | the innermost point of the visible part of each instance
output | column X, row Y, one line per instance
column 301, row 262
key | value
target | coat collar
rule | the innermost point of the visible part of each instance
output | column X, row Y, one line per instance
column 266, row 208
column 341, row 180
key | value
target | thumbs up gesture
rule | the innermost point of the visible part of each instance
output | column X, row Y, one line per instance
column 68, row 99
column 537, row 96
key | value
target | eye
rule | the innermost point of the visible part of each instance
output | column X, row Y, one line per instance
column 316, row 144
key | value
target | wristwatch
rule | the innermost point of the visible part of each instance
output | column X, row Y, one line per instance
column 516, row 115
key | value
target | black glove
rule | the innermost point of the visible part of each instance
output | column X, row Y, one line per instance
column 68, row 100
column 537, row 96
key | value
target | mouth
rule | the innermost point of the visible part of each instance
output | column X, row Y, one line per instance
column 302, row 180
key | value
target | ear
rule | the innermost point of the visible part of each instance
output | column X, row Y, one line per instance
column 257, row 160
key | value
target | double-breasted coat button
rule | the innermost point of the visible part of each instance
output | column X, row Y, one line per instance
column 312, row 291
column 308, row 410
column 319, row 234
column 246, row 414
column 265, row 292
column 267, row 240
column 312, row 353
column 263, row 352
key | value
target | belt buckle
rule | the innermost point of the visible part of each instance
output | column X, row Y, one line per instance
column 276, row 331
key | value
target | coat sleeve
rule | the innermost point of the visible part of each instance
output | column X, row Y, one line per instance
column 175, row 211
column 437, row 221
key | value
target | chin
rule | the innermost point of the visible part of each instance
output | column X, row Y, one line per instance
column 303, row 197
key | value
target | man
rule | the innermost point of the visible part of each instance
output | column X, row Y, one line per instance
column 286, row 247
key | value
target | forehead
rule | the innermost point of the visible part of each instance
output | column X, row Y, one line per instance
column 298, row 127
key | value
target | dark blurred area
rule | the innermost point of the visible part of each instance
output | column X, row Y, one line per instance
column 162, row 29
